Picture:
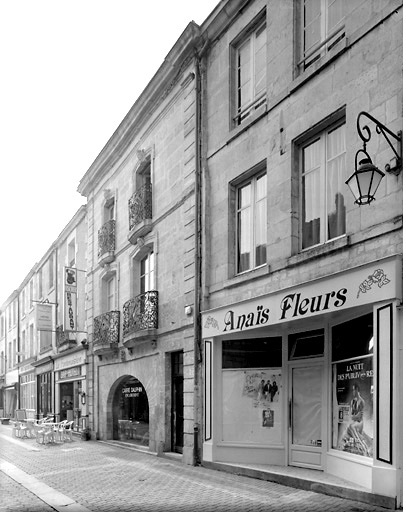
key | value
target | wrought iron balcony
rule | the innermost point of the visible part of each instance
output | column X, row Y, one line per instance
column 140, row 212
column 106, row 330
column 107, row 242
column 63, row 342
column 140, row 318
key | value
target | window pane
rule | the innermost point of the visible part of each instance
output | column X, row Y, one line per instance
column 244, row 196
column 335, row 14
column 353, row 338
column 312, row 23
column 260, row 221
column 335, row 180
column 244, row 74
column 311, row 198
column 244, row 241
column 252, row 353
column 260, row 61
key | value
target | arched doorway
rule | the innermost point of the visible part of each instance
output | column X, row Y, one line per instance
column 131, row 412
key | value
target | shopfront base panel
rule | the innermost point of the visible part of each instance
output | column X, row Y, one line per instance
column 248, row 454
column 361, row 473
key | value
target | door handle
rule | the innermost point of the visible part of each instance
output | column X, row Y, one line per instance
column 290, row 414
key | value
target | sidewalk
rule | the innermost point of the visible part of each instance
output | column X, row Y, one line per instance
column 84, row 476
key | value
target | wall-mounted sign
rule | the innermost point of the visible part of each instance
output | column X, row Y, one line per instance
column 43, row 317
column 355, row 287
column 70, row 299
column 70, row 372
column 72, row 360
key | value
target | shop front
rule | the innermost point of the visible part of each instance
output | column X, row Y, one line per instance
column 70, row 388
column 131, row 412
column 45, row 387
column 310, row 377
column 27, row 388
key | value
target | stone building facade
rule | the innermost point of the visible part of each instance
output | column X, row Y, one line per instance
column 42, row 330
column 141, row 281
column 302, row 314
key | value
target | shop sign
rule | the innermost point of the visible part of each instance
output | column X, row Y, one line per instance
column 43, row 317
column 70, row 299
column 77, row 359
column 340, row 291
column 70, row 372
column 44, row 368
column 131, row 392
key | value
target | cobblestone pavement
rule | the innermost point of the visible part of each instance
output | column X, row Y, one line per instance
column 105, row 478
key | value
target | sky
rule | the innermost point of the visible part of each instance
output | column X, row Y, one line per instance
column 70, row 72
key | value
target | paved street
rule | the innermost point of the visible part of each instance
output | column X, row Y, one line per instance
column 82, row 476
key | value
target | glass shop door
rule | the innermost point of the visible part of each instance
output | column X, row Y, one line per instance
column 305, row 415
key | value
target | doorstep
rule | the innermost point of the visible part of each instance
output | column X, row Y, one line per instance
column 306, row 479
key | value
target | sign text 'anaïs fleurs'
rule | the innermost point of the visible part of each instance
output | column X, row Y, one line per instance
column 292, row 306
column 355, row 287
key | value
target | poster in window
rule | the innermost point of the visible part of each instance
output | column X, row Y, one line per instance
column 353, row 407
column 251, row 413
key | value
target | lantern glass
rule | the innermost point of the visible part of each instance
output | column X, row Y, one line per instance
column 364, row 182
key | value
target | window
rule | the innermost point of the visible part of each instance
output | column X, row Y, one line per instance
column 353, row 386
column 71, row 253
column 251, row 223
column 322, row 27
column 23, row 345
column 31, row 293
column 147, row 273
column 322, row 187
column 40, row 283
column 51, row 272
column 31, row 349
column 250, row 71
column 45, row 341
column 23, row 301
column 111, row 294
column 252, row 353
column 109, row 210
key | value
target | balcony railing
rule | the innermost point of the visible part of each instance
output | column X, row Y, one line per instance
column 106, row 332
column 140, row 205
column 62, row 339
column 107, row 241
column 140, row 212
column 140, row 313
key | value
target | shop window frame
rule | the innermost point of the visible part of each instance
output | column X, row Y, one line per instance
column 348, row 360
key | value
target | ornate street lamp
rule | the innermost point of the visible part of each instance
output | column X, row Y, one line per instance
column 366, row 178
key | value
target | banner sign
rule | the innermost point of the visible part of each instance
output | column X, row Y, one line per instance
column 44, row 317
column 355, row 287
column 70, row 299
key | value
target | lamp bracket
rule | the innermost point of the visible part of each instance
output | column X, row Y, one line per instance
column 365, row 133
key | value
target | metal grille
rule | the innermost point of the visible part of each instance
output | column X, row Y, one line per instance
column 107, row 237
column 140, row 205
column 106, row 328
column 141, row 313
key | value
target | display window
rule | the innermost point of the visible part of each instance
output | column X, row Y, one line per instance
column 252, row 386
column 131, row 412
column 353, row 390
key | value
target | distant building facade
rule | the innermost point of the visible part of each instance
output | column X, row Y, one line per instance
column 43, row 325
column 302, row 320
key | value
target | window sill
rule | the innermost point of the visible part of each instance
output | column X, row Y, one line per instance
column 319, row 251
column 236, row 130
column 246, row 276
column 316, row 67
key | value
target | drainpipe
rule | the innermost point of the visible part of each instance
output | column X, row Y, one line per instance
column 198, row 258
